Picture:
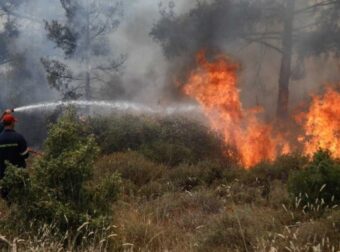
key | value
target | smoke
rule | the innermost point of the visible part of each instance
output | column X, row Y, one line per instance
column 154, row 64
column 146, row 69
column 141, row 78
column 228, row 27
column 26, row 82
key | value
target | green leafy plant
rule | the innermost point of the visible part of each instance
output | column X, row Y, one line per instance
column 135, row 170
column 317, row 184
column 60, row 189
column 166, row 140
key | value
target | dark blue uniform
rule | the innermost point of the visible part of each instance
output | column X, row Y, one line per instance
column 13, row 148
column 2, row 127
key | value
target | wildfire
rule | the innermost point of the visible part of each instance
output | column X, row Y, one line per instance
column 322, row 124
column 214, row 85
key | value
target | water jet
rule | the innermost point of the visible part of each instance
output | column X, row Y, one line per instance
column 120, row 106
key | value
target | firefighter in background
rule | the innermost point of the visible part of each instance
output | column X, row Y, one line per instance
column 6, row 112
column 13, row 148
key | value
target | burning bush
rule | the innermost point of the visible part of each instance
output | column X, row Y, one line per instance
column 58, row 191
column 318, row 185
column 214, row 85
column 321, row 123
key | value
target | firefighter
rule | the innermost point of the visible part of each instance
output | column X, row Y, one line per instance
column 6, row 112
column 13, row 148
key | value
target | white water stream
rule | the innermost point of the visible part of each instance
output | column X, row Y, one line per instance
column 115, row 106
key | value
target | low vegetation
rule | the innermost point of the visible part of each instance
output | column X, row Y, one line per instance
column 148, row 184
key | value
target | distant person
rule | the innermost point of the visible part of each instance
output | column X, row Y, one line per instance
column 13, row 148
column 6, row 112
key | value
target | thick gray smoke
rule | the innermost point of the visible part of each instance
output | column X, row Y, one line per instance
column 146, row 69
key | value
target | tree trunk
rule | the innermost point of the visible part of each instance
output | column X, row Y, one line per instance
column 87, row 86
column 88, row 95
column 286, row 62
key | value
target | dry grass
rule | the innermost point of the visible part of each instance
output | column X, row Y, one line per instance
column 196, row 221
column 3, row 209
column 166, row 211
column 167, row 223
column 46, row 239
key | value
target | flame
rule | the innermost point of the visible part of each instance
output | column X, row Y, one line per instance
column 321, row 124
column 214, row 85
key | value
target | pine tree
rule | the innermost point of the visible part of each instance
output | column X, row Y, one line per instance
column 84, row 40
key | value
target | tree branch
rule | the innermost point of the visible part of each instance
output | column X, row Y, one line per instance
column 5, row 61
column 265, row 43
column 305, row 26
column 18, row 15
column 317, row 5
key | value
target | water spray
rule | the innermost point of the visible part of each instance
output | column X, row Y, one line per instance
column 117, row 106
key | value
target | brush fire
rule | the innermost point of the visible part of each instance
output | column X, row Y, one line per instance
column 214, row 85
column 321, row 123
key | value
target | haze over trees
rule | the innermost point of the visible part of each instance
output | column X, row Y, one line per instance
column 83, row 37
column 14, row 69
column 81, row 62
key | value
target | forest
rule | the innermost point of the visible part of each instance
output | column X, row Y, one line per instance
column 163, row 125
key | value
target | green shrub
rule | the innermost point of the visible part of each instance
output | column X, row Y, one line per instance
column 278, row 169
column 132, row 166
column 318, row 184
column 153, row 190
column 59, row 190
column 16, row 183
column 142, row 177
column 187, row 177
column 167, row 140
column 168, row 153
column 119, row 133
column 262, row 175
column 183, row 140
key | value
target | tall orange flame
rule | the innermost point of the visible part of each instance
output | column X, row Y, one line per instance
column 214, row 86
column 321, row 124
